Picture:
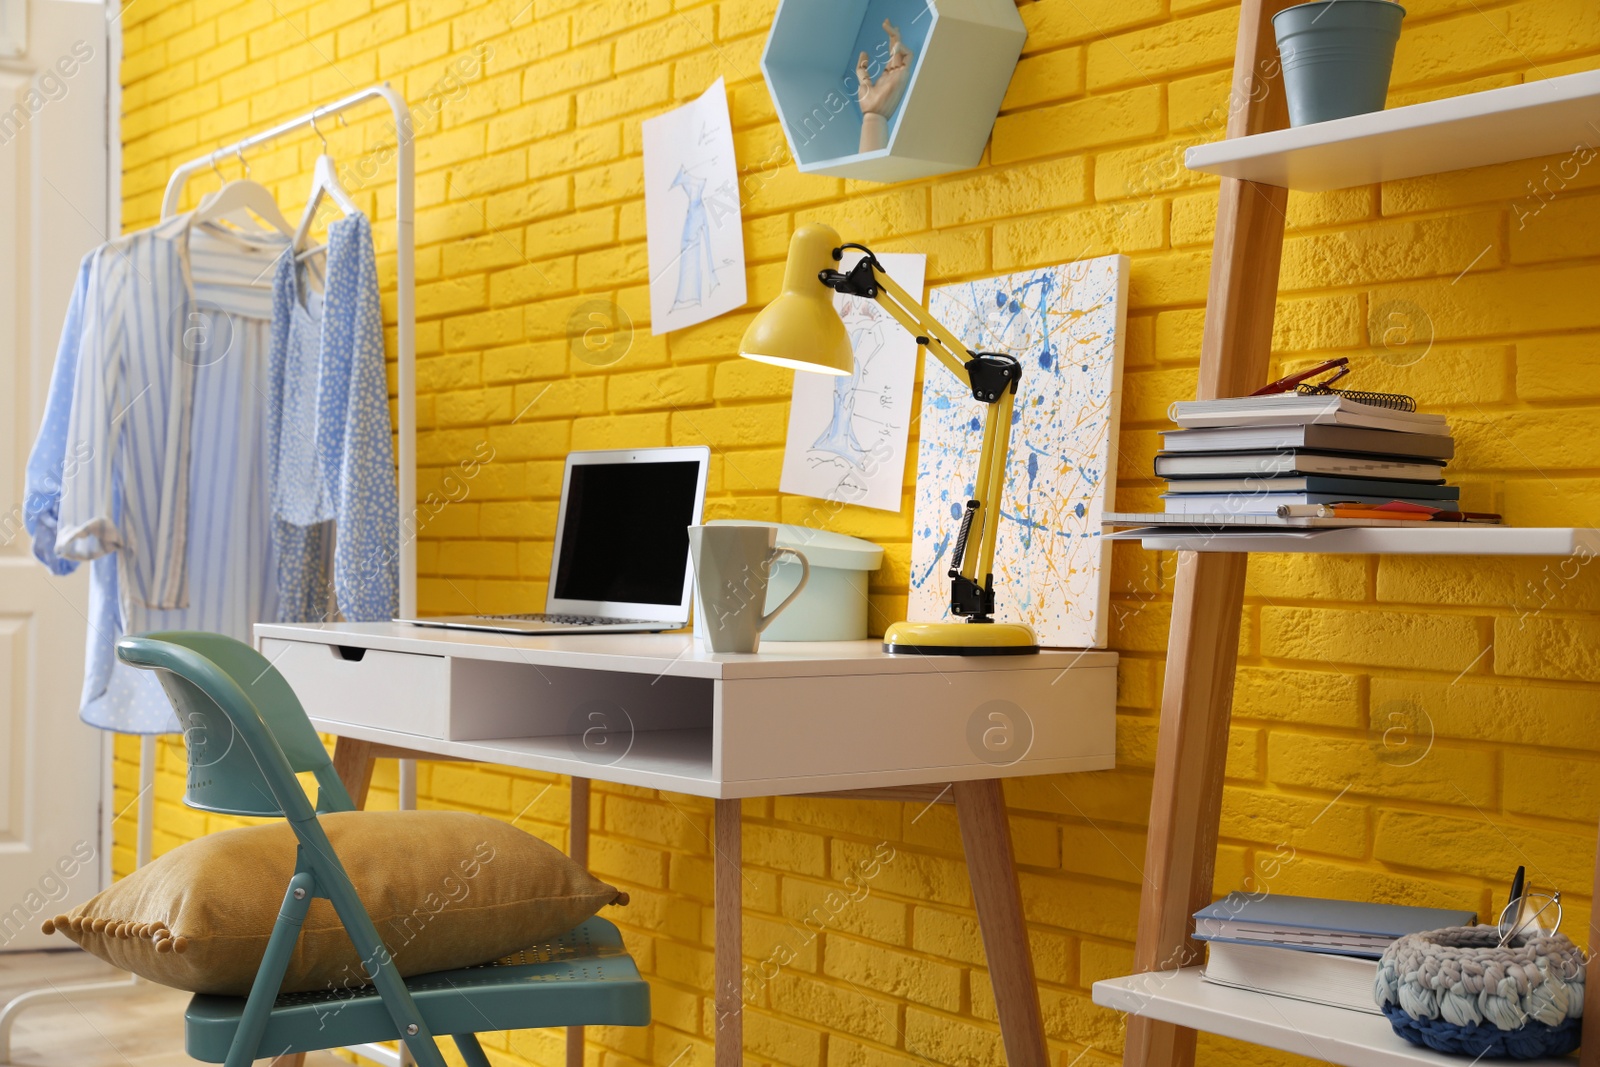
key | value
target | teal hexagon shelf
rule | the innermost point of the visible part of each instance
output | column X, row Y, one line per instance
column 963, row 53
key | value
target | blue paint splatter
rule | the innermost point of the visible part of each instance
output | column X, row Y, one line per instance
column 1026, row 523
column 1078, row 509
column 938, row 554
column 975, row 425
column 955, row 511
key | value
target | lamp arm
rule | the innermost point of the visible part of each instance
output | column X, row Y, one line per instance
column 940, row 342
column 993, row 381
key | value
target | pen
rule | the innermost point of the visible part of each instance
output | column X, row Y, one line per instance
column 1368, row 511
column 1289, row 382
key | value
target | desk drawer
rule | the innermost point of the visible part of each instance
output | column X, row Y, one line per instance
column 883, row 729
column 366, row 686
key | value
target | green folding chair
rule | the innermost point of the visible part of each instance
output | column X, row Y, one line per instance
column 247, row 736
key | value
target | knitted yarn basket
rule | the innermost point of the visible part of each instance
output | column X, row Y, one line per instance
column 1455, row 990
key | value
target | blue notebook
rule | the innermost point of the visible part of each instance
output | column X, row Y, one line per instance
column 1342, row 927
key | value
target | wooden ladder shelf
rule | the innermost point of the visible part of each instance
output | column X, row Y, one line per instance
column 1202, row 646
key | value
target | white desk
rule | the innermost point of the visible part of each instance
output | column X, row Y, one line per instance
column 656, row 711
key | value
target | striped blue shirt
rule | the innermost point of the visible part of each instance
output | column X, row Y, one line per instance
column 151, row 461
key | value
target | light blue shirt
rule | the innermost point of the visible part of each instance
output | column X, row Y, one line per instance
column 156, row 402
column 331, row 438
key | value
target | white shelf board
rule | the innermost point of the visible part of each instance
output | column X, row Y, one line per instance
column 1430, row 539
column 1335, row 1035
column 1473, row 130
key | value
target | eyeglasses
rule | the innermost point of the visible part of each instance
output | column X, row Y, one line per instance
column 1528, row 914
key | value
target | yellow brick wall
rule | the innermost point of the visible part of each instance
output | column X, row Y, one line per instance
column 1406, row 729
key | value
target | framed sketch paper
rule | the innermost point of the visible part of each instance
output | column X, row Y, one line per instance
column 1067, row 326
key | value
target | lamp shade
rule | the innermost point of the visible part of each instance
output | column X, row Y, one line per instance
column 801, row 328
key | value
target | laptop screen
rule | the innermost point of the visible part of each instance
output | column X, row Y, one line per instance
column 625, row 537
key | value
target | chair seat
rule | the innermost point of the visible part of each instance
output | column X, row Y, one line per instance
column 583, row 978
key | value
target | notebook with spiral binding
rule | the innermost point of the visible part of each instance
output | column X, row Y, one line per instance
column 1391, row 401
column 1296, row 408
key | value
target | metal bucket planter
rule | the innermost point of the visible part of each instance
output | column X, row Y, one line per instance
column 1337, row 55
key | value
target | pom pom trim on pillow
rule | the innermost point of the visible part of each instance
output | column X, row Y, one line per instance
column 445, row 889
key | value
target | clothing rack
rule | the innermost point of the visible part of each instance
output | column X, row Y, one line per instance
column 406, row 343
column 406, row 278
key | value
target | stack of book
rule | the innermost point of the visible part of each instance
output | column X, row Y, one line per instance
column 1322, row 951
column 1251, row 455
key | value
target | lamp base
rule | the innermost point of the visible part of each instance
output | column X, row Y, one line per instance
column 960, row 639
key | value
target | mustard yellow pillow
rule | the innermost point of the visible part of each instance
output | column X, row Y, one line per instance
column 445, row 889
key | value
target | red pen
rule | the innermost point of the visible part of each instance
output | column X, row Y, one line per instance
column 1288, row 383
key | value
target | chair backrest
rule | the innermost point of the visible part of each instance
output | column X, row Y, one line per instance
column 246, row 736
column 244, row 731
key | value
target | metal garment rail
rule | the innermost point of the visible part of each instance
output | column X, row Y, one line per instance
column 406, row 331
column 405, row 211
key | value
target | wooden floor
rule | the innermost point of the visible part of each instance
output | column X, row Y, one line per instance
column 139, row 1029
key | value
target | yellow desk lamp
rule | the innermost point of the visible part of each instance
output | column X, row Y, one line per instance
column 802, row 330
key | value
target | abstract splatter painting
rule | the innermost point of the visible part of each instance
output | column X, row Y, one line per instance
column 1067, row 325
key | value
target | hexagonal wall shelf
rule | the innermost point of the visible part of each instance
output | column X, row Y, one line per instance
column 963, row 53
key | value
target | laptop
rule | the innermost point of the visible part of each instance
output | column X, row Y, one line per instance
column 621, row 558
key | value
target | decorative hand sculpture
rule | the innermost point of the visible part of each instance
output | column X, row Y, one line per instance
column 879, row 99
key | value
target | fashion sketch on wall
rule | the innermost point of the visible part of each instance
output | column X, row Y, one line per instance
column 693, row 224
column 847, row 434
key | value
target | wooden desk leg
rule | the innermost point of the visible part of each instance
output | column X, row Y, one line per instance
column 352, row 762
column 578, row 849
column 986, row 836
column 728, row 883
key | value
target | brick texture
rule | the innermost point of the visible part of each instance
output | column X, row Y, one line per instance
column 1405, row 729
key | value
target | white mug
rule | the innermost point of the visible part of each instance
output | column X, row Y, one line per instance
column 732, row 567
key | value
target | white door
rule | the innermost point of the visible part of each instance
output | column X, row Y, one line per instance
column 54, row 207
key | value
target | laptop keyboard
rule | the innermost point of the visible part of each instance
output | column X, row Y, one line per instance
column 563, row 620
